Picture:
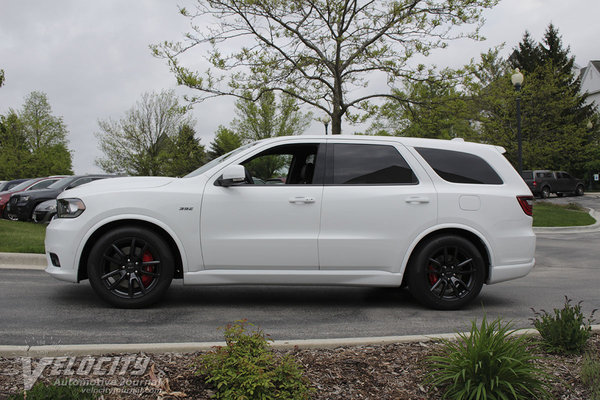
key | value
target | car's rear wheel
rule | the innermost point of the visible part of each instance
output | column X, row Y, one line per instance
column 545, row 193
column 446, row 273
column 130, row 267
column 579, row 190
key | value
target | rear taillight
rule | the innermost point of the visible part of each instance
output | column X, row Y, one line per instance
column 526, row 203
column 534, row 183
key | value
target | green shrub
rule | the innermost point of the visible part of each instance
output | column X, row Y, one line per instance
column 40, row 391
column 590, row 374
column 247, row 368
column 566, row 330
column 487, row 363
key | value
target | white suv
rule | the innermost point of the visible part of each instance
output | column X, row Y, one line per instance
column 441, row 217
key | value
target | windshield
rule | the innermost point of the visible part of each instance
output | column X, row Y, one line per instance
column 21, row 185
column 219, row 160
column 62, row 183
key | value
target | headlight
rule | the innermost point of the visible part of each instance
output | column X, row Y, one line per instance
column 69, row 208
column 24, row 198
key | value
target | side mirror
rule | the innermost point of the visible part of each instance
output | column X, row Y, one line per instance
column 232, row 175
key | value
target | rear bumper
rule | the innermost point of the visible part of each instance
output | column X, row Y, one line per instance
column 501, row 273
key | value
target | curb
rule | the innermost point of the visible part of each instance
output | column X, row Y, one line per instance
column 23, row 261
column 191, row 347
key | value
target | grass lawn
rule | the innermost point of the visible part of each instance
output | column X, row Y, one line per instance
column 21, row 237
column 548, row 214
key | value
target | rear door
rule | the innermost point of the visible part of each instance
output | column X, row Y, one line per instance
column 375, row 203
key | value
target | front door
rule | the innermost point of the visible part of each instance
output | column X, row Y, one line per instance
column 271, row 221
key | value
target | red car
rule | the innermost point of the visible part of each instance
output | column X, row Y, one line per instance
column 30, row 184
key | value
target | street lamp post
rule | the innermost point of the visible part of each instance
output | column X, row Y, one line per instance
column 517, row 81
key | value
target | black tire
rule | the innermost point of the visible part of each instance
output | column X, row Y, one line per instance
column 545, row 193
column 446, row 273
column 579, row 190
column 130, row 267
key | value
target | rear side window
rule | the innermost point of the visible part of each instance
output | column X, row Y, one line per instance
column 367, row 164
column 459, row 167
column 527, row 175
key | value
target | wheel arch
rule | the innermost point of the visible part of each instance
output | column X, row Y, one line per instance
column 471, row 236
column 166, row 236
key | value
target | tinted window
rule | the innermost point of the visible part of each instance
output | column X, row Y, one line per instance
column 527, row 175
column 364, row 164
column 459, row 167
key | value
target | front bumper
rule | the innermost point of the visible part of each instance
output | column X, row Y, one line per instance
column 63, row 241
column 21, row 211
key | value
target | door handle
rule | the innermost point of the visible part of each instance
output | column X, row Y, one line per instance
column 301, row 199
column 417, row 200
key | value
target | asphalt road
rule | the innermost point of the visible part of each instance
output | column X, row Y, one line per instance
column 38, row 310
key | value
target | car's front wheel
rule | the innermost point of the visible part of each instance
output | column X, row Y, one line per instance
column 446, row 273
column 579, row 190
column 130, row 267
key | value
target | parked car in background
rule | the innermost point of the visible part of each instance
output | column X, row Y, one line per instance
column 45, row 211
column 21, row 205
column 440, row 217
column 544, row 182
column 31, row 184
column 10, row 184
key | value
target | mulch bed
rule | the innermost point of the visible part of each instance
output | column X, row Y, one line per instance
column 393, row 371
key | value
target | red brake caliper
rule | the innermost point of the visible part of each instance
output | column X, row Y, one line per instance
column 433, row 278
column 146, row 279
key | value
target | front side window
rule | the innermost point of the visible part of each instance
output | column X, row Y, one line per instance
column 368, row 164
column 459, row 167
column 291, row 164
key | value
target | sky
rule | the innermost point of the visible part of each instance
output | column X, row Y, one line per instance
column 93, row 61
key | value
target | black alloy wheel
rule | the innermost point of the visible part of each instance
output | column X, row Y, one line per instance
column 130, row 267
column 446, row 273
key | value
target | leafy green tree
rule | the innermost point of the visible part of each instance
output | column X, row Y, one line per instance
column 41, row 128
column 554, row 112
column 134, row 144
column 33, row 141
column 225, row 140
column 436, row 110
column 322, row 52
column 527, row 56
column 14, row 154
column 183, row 153
column 265, row 117
column 255, row 120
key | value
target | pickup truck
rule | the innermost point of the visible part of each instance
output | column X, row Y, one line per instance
column 543, row 182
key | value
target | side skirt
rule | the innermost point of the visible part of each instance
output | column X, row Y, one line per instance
column 293, row 278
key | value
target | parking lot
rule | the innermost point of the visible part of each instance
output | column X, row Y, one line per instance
column 39, row 310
